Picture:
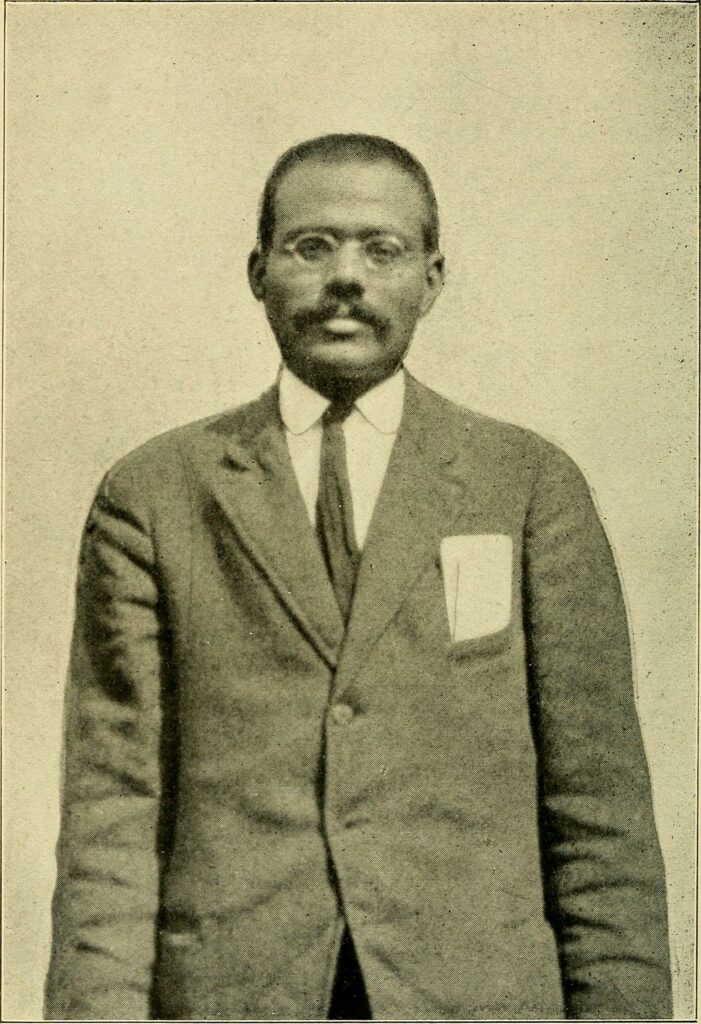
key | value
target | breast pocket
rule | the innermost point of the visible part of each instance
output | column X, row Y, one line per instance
column 494, row 644
column 477, row 571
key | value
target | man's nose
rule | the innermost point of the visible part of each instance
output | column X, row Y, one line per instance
column 347, row 272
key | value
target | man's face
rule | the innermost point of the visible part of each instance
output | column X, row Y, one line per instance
column 347, row 276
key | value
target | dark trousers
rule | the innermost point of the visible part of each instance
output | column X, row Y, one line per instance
column 349, row 1000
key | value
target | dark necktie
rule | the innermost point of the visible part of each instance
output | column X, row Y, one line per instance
column 334, row 508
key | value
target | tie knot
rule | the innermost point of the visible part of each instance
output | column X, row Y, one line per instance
column 338, row 411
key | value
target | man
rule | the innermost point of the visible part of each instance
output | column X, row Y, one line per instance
column 351, row 729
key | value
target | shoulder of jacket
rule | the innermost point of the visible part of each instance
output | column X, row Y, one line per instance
column 491, row 434
column 166, row 456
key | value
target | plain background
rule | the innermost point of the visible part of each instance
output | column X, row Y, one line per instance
column 561, row 141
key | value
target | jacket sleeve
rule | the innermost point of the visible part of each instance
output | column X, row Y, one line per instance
column 603, row 871
column 106, row 897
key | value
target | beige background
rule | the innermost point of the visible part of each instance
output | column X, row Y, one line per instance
column 561, row 143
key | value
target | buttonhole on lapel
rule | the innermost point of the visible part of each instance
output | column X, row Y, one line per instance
column 243, row 465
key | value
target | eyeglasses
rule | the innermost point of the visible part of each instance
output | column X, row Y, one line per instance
column 380, row 253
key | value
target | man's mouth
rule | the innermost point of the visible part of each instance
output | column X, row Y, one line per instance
column 343, row 325
column 340, row 319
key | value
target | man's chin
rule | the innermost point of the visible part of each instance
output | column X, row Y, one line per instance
column 341, row 361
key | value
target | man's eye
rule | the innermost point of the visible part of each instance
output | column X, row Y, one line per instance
column 383, row 251
column 313, row 247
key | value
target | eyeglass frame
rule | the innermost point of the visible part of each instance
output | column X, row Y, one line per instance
column 404, row 255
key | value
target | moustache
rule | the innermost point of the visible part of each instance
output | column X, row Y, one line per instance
column 306, row 318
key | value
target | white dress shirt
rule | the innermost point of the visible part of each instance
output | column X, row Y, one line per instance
column 369, row 433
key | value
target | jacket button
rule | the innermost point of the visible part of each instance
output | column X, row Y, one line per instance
column 342, row 714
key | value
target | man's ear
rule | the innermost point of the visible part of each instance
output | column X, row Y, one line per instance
column 435, row 277
column 256, row 273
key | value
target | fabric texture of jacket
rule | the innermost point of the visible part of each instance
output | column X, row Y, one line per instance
column 242, row 776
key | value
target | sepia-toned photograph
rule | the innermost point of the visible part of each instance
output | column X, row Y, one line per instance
column 350, row 511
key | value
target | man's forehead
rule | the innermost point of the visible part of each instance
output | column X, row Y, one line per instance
column 343, row 189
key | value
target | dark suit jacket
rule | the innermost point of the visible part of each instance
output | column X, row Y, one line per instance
column 241, row 776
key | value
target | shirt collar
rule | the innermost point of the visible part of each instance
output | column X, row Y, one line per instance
column 382, row 405
column 301, row 407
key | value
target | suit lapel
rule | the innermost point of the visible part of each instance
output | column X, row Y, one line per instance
column 420, row 498
column 261, row 498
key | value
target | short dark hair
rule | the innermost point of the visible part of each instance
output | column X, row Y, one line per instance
column 337, row 148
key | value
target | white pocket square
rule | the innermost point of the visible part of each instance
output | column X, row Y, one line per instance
column 477, row 580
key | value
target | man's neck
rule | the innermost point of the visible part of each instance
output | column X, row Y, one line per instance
column 344, row 390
